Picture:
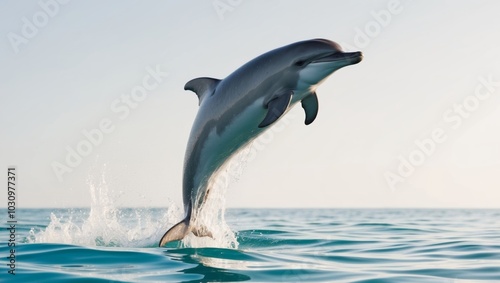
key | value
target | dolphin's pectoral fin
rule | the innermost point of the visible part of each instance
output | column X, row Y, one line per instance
column 203, row 87
column 310, row 105
column 177, row 232
column 275, row 108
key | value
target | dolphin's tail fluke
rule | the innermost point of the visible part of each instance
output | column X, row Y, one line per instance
column 177, row 232
column 181, row 229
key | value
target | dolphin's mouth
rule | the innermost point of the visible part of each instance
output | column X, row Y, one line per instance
column 351, row 57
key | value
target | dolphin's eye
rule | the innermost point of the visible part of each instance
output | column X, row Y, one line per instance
column 300, row 63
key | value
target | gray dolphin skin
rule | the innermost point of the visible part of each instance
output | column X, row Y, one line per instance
column 239, row 108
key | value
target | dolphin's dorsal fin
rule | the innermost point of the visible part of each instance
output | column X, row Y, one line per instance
column 276, row 107
column 202, row 87
column 310, row 105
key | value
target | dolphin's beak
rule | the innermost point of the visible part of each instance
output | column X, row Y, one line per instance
column 351, row 57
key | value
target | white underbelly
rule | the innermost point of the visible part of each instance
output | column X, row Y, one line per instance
column 241, row 131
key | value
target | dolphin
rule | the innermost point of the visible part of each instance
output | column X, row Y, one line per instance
column 234, row 111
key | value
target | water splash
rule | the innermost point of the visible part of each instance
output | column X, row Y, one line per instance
column 211, row 217
column 105, row 224
column 211, row 214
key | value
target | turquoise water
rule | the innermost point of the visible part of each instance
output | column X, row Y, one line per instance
column 266, row 245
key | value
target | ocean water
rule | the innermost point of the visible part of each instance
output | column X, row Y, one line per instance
column 108, row 244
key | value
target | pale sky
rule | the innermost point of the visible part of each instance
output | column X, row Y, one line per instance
column 66, row 69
